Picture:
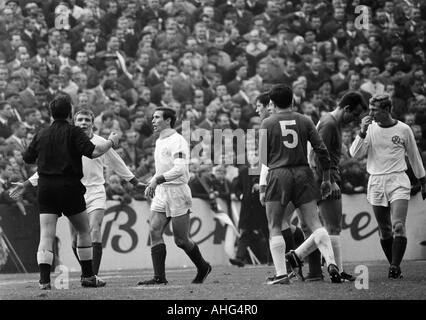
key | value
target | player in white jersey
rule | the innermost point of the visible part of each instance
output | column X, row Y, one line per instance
column 171, row 198
column 94, row 181
column 387, row 142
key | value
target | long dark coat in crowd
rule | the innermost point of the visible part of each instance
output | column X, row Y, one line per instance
column 252, row 213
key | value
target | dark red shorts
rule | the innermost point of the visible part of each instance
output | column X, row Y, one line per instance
column 295, row 184
column 61, row 196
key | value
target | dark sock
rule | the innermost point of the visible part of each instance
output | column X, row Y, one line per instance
column 398, row 249
column 74, row 249
column 195, row 255
column 158, row 255
column 387, row 247
column 298, row 236
column 86, row 268
column 44, row 272
column 314, row 260
column 97, row 256
column 289, row 240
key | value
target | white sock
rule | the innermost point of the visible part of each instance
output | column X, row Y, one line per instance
column 45, row 257
column 306, row 248
column 322, row 240
column 85, row 253
column 277, row 247
column 337, row 249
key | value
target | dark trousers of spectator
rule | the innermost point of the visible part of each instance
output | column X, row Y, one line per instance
column 258, row 243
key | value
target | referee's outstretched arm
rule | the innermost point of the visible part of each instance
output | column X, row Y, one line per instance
column 103, row 147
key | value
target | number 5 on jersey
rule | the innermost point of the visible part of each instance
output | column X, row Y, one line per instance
column 289, row 132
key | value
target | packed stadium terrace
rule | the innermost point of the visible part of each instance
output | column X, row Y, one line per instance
column 208, row 60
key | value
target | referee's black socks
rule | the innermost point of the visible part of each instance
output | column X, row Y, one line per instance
column 44, row 260
column 85, row 255
column 74, row 250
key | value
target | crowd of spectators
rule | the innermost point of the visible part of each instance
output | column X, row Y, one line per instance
column 208, row 60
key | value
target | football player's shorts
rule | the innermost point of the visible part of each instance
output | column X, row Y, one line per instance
column 174, row 200
column 295, row 184
column 95, row 197
column 385, row 188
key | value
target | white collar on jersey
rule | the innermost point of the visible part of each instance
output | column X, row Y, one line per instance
column 167, row 133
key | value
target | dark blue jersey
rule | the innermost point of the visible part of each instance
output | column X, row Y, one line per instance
column 331, row 134
column 287, row 136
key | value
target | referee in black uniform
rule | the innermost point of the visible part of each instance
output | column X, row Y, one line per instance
column 58, row 150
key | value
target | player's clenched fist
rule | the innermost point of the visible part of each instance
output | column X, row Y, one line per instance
column 114, row 138
column 325, row 189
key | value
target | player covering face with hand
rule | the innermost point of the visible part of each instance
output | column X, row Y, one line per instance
column 386, row 142
column 330, row 127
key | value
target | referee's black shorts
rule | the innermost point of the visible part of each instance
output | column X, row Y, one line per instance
column 61, row 195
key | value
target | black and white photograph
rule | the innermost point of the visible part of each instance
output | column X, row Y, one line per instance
column 212, row 158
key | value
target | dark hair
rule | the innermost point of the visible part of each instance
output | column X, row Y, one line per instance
column 381, row 101
column 63, row 44
column 136, row 116
column 53, row 77
column 107, row 115
column 3, row 164
column 4, row 104
column 221, row 113
column 41, row 44
column 60, row 107
column 356, row 74
column 16, row 125
column 29, row 111
column 348, row 129
column 14, row 33
column 352, row 99
column 314, row 15
column 168, row 114
column 263, row 98
column 281, row 96
column 235, row 106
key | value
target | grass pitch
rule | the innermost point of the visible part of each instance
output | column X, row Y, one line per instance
column 225, row 283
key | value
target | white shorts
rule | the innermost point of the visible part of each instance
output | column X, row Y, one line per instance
column 174, row 200
column 386, row 188
column 95, row 197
